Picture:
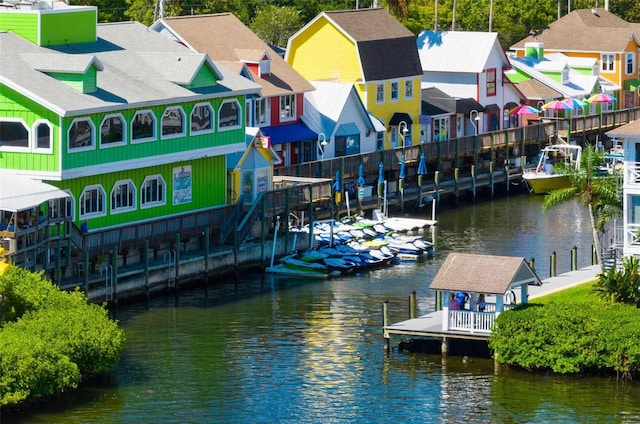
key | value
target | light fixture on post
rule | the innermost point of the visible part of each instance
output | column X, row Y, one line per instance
column 403, row 129
column 322, row 142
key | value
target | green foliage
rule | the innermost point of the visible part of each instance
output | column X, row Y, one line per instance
column 569, row 338
column 51, row 339
column 620, row 286
column 275, row 24
column 580, row 293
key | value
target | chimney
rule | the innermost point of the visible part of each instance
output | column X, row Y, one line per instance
column 534, row 50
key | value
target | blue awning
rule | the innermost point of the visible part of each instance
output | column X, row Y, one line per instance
column 348, row 129
column 290, row 133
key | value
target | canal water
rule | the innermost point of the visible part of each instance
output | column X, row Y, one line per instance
column 271, row 350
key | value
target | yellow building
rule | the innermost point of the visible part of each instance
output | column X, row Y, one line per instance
column 375, row 52
column 596, row 34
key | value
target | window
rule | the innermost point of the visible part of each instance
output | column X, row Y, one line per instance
column 42, row 134
column 491, row 82
column 112, row 131
column 229, row 115
column 152, row 192
column 247, row 115
column 408, row 89
column 261, row 112
column 172, row 122
column 201, row 118
column 81, row 134
column 14, row 135
column 630, row 63
column 123, row 196
column 92, row 202
column 380, row 93
column 380, row 140
column 607, row 62
column 143, row 126
column 287, row 107
column 394, row 91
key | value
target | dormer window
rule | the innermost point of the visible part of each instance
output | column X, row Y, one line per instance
column 565, row 76
column 265, row 66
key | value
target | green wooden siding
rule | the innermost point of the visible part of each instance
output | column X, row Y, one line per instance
column 85, row 83
column 208, row 186
column 204, row 78
column 24, row 24
column 15, row 105
column 55, row 24
column 98, row 156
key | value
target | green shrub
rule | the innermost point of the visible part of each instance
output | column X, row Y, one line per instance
column 569, row 338
column 51, row 339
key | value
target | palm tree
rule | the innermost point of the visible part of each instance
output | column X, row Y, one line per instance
column 598, row 192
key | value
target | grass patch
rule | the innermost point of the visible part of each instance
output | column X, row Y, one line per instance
column 581, row 293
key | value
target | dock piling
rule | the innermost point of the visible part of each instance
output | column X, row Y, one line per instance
column 385, row 322
column 413, row 305
column 552, row 264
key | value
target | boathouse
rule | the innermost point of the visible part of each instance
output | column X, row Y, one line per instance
column 504, row 281
column 496, row 277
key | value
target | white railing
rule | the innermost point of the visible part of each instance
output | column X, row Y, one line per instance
column 632, row 173
column 472, row 321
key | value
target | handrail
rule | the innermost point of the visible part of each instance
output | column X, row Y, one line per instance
column 244, row 227
column 231, row 220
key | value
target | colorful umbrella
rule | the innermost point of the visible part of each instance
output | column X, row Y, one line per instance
column 556, row 105
column 601, row 98
column 360, row 181
column 575, row 103
column 422, row 169
column 524, row 110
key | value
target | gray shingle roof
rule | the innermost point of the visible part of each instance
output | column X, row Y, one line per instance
column 387, row 49
column 224, row 37
column 483, row 273
column 632, row 129
column 140, row 68
column 582, row 30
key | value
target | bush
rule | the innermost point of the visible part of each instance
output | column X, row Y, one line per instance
column 569, row 338
column 52, row 340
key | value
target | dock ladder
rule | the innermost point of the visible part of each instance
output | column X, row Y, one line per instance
column 170, row 259
column 107, row 271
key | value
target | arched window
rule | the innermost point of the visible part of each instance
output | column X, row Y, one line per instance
column 202, row 118
column 14, row 135
column 123, row 196
column 92, row 202
column 153, row 191
column 112, row 131
column 172, row 122
column 229, row 115
column 143, row 126
column 42, row 131
column 81, row 134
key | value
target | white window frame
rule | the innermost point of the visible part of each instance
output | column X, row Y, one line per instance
column 144, row 204
column 34, row 136
column 630, row 59
column 91, row 145
column 380, row 92
column 408, row 89
column 134, row 193
column 154, row 126
column 211, row 118
column 83, row 214
column 230, row 127
column 124, row 131
column 607, row 65
column 183, row 123
column 394, row 97
column 248, row 107
column 287, row 107
column 256, row 115
column 29, row 137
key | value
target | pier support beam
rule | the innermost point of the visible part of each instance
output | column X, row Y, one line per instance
column 385, row 322
column 444, row 347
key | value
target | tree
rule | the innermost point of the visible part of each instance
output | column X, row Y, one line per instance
column 621, row 286
column 276, row 24
column 598, row 193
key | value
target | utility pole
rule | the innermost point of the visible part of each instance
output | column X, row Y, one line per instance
column 490, row 15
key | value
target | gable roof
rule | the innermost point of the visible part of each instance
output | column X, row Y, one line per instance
column 387, row 49
column 584, row 31
column 224, row 37
column 631, row 130
column 457, row 51
column 483, row 274
column 140, row 68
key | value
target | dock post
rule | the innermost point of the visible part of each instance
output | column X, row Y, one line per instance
column 444, row 346
column 178, row 238
column 385, row 322
column 594, row 256
column 532, row 264
column 574, row 258
column 114, row 264
column 506, row 175
column 413, row 305
column 85, row 261
column 145, row 258
column 436, row 182
column 456, row 177
column 473, row 180
column 491, row 180
column 552, row 264
column 206, row 256
column 438, row 300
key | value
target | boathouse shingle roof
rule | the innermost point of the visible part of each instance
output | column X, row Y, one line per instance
column 483, row 273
